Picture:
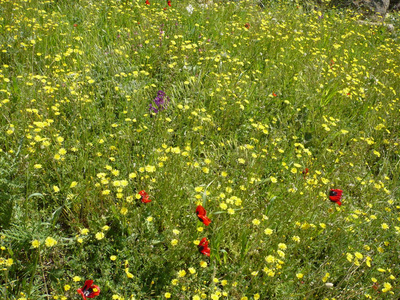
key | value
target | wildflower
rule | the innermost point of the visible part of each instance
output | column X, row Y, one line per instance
column 335, row 195
column 174, row 242
column 203, row 264
column 50, row 242
column 35, row 244
column 144, row 197
column 181, row 273
column 161, row 101
column 386, row 287
column 247, row 25
column 305, row 172
column 9, row 262
column 299, row 275
column 268, row 231
column 190, row 9
column 201, row 214
column 329, row 284
column 169, row 3
column 167, row 295
column 89, row 290
column 282, row 246
column 99, row 236
column 203, row 247
column 147, row 2
column 256, row 222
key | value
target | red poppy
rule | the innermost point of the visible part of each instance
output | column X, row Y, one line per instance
column 145, row 197
column 202, row 215
column 247, row 25
column 147, row 2
column 335, row 195
column 305, row 172
column 89, row 290
column 169, row 3
column 275, row 95
column 203, row 247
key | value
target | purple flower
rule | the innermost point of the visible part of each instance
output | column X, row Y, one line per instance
column 160, row 102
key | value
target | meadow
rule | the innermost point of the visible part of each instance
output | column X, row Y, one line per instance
column 119, row 118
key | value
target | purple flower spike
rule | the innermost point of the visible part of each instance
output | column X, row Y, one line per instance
column 160, row 101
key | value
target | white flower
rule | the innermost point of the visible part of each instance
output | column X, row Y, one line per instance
column 329, row 284
column 190, row 9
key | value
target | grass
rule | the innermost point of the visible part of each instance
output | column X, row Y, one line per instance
column 256, row 97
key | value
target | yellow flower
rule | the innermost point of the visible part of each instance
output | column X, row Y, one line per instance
column 270, row 259
column 203, row 264
column 174, row 242
column 84, row 231
column 67, row 287
column 281, row 253
column 167, row 295
column 256, row 222
column 150, row 169
column 174, row 281
column 56, row 188
column 99, row 236
column 50, row 242
column 35, row 244
column 181, row 273
column 214, row 297
column 299, row 275
column 76, row 279
column 273, row 179
column 358, row 255
column 296, row 239
column 113, row 257
column 385, row 226
column 282, row 246
column 192, row 270
column 124, row 211
column 386, row 287
column 128, row 274
column 256, row 296
column 268, row 231
column 149, row 219
column 9, row 262
column 196, row 297
column 73, row 184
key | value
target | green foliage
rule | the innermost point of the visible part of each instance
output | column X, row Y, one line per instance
column 10, row 189
column 257, row 95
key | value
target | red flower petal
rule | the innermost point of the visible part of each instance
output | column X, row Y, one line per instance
column 201, row 211
column 145, row 197
column 204, row 219
column 202, row 215
column 335, row 195
column 203, row 247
